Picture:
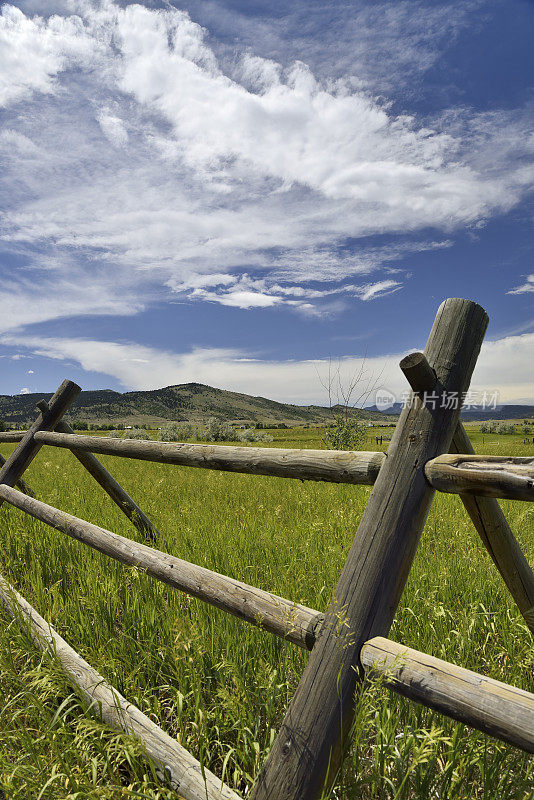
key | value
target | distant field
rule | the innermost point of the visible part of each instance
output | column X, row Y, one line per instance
column 219, row 685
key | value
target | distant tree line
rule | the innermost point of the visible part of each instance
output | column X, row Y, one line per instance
column 501, row 428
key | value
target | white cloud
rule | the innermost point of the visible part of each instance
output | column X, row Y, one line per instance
column 34, row 51
column 61, row 296
column 247, row 292
column 372, row 290
column 525, row 288
column 341, row 144
column 30, row 372
column 141, row 165
column 504, row 365
column 381, row 45
column 113, row 129
column 507, row 365
column 24, row 390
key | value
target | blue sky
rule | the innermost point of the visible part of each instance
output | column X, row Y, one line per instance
column 242, row 193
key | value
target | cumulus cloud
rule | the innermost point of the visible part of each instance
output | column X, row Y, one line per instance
column 504, row 366
column 34, row 51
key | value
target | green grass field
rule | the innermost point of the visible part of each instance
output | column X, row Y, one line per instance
column 217, row 684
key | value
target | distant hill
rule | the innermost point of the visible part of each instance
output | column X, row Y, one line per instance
column 193, row 402
column 476, row 414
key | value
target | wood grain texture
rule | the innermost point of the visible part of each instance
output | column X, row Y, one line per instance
column 9, row 437
column 507, row 477
column 308, row 750
column 108, row 483
column 495, row 708
column 173, row 762
column 23, row 486
column 27, row 449
column 337, row 466
column 291, row 621
column 420, row 375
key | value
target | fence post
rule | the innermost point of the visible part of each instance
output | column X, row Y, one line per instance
column 27, row 448
column 308, row 750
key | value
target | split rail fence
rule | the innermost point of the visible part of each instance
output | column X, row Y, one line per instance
column 429, row 451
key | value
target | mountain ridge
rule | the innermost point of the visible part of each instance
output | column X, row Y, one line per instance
column 196, row 402
column 193, row 402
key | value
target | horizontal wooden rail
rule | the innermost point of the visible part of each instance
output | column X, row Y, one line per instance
column 11, row 436
column 508, row 477
column 490, row 706
column 337, row 466
column 496, row 708
column 173, row 762
column 286, row 619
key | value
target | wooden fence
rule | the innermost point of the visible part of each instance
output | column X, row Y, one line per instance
column 429, row 451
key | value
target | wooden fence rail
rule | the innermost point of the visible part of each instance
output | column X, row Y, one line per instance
column 173, row 762
column 496, row 708
column 505, row 477
column 291, row 621
column 504, row 711
column 509, row 477
column 337, row 466
column 349, row 640
column 10, row 437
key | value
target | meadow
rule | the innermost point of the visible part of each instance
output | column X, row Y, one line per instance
column 219, row 685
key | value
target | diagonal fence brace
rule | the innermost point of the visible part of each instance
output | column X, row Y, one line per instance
column 108, row 483
column 485, row 512
column 23, row 486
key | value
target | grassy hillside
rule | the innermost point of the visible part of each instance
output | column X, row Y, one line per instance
column 214, row 682
column 188, row 401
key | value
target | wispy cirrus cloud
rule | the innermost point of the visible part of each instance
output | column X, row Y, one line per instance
column 382, row 46
column 524, row 288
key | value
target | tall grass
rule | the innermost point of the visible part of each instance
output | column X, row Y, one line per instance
column 217, row 684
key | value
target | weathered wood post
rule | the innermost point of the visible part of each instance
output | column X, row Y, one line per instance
column 108, row 483
column 23, row 486
column 485, row 512
column 500, row 542
column 27, row 448
column 308, row 750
